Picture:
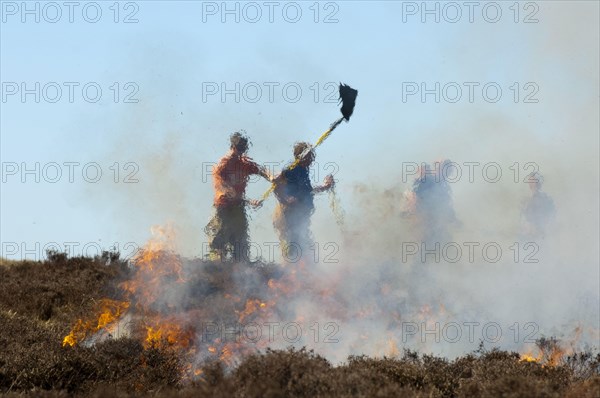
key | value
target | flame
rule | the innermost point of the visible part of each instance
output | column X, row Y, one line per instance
column 392, row 349
column 252, row 305
column 530, row 358
column 226, row 355
column 555, row 357
column 170, row 334
column 550, row 352
column 157, row 270
column 155, row 265
column 153, row 335
column 110, row 311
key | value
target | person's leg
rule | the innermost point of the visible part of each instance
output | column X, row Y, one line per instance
column 297, row 232
column 239, row 233
column 305, row 240
column 216, row 235
column 280, row 225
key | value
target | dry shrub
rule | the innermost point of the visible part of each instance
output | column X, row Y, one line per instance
column 40, row 301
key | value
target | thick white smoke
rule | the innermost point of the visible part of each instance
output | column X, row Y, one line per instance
column 370, row 290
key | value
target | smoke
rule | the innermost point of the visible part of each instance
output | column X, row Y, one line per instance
column 388, row 280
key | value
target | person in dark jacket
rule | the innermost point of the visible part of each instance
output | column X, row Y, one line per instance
column 295, row 193
column 539, row 210
column 433, row 203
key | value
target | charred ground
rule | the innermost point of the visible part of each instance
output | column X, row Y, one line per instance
column 40, row 301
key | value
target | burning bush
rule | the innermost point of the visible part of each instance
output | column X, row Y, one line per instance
column 41, row 301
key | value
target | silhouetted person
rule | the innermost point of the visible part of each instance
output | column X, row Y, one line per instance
column 433, row 202
column 295, row 193
column 539, row 209
column 228, row 229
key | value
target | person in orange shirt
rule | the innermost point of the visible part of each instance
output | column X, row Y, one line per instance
column 228, row 229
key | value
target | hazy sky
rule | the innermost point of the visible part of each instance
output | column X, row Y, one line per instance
column 171, row 64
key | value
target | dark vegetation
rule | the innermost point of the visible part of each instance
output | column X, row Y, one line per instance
column 40, row 301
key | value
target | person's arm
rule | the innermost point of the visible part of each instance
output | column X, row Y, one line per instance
column 254, row 168
column 328, row 184
column 264, row 173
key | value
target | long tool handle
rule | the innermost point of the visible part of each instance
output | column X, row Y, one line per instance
column 322, row 138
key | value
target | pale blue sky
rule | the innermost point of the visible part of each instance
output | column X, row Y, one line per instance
column 170, row 132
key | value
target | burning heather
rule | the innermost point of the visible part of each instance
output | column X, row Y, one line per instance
column 426, row 285
column 207, row 311
column 396, row 305
column 202, row 310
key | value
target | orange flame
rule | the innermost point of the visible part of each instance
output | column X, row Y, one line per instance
column 251, row 307
column 550, row 352
column 111, row 311
column 170, row 334
column 530, row 358
column 154, row 264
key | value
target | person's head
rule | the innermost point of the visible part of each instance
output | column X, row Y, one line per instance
column 535, row 181
column 425, row 171
column 239, row 143
column 445, row 169
column 299, row 149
